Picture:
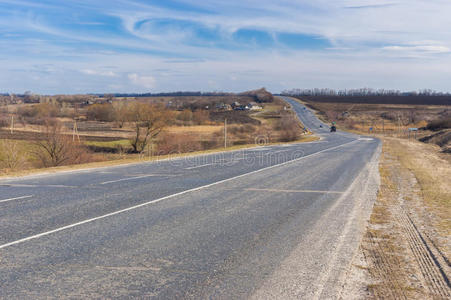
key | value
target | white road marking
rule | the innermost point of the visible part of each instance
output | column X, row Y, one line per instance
column 133, row 178
column 365, row 139
column 200, row 166
column 293, row 191
column 38, row 185
column 164, row 198
column 16, row 198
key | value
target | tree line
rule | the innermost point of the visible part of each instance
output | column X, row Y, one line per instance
column 360, row 92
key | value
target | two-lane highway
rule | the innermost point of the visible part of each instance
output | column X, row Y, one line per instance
column 221, row 225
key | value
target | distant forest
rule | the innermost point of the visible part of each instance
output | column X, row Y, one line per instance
column 361, row 92
column 371, row 96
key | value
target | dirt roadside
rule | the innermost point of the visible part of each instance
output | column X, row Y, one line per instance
column 405, row 251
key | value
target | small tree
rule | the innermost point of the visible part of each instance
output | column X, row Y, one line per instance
column 11, row 156
column 101, row 112
column 121, row 113
column 149, row 120
column 56, row 148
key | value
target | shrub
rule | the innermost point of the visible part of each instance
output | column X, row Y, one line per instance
column 186, row 115
column 201, row 117
column 56, row 148
column 11, row 157
column 172, row 143
column 101, row 112
column 439, row 124
column 4, row 122
column 39, row 111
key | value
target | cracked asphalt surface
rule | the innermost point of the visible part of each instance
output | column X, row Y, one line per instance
column 224, row 225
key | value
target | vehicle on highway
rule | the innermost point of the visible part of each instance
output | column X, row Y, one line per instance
column 333, row 128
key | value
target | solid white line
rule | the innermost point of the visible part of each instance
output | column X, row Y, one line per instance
column 16, row 198
column 164, row 198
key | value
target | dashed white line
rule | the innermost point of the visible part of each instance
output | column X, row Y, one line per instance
column 292, row 191
column 132, row 178
column 200, row 166
column 16, row 198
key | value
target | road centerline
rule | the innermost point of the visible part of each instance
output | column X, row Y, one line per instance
column 133, row 178
column 200, row 166
column 292, row 191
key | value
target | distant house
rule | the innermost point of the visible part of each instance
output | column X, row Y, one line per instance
column 223, row 106
column 253, row 106
column 236, row 104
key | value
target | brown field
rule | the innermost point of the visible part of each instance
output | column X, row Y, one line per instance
column 100, row 130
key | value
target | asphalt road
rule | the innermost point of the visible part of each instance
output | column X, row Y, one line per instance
column 267, row 222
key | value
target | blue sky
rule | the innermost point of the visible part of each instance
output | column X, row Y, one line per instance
column 80, row 46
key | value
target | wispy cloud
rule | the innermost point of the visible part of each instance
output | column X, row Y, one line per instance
column 99, row 73
column 188, row 44
column 147, row 82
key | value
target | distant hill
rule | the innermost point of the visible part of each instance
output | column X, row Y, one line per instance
column 260, row 95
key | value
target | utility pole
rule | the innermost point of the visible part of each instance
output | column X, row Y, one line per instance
column 12, row 124
column 225, row 133
column 75, row 132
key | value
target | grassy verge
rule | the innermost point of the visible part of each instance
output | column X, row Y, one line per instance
column 433, row 173
column 409, row 219
column 131, row 159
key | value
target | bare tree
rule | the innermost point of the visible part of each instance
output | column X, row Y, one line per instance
column 121, row 113
column 149, row 120
column 56, row 148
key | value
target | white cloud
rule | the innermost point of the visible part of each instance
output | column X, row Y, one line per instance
column 143, row 81
column 422, row 48
column 99, row 73
column 368, row 41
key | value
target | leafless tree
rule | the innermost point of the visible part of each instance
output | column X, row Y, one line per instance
column 121, row 113
column 149, row 120
column 56, row 148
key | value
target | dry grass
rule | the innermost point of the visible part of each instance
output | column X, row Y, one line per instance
column 360, row 117
column 136, row 158
column 202, row 129
column 415, row 182
column 433, row 173
column 382, row 246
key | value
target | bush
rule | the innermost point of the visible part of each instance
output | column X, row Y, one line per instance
column 101, row 112
column 186, row 115
column 440, row 124
column 289, row 135
column 57, row 149
column 11, row 157
column 171, row 143
column 39, row 111
column 289, row 128
column 201, row 117
column 4, row 122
